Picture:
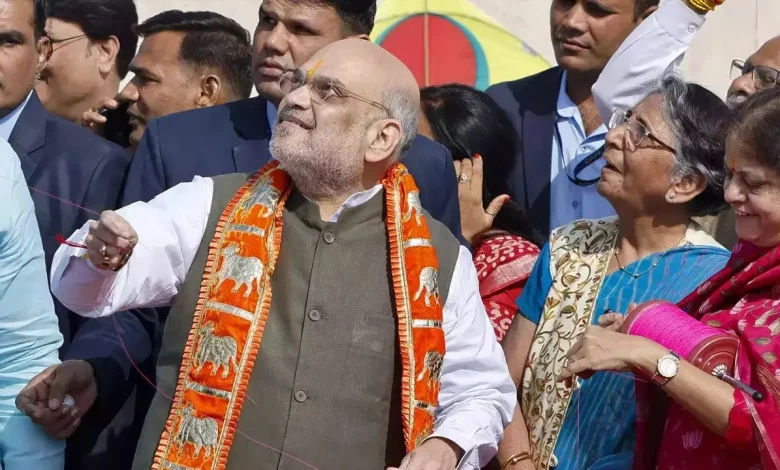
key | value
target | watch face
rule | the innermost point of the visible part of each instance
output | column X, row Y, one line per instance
column 667, row 367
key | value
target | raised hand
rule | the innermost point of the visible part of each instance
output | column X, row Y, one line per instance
column 110, row 241
column 94, row 120
column 474, row 217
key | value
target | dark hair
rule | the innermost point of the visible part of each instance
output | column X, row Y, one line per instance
column 469, row 122
column 357, row 15
column 40, row 15
column 101, row 19
column 641, row 6
column 699, row 122
column 756, row 124
column 210, row 41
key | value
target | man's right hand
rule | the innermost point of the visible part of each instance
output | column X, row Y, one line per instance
column 94, row 120
column 110, row 241
column 43, row 399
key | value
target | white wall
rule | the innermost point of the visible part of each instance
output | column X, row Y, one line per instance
column 733, row 31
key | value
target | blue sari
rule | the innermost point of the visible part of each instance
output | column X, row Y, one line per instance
column 598, row 431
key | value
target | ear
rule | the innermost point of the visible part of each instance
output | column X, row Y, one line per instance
column 44, row 52
column 647, row 13
column 210, row 91
column 108, row 49
column 384, row 138
column 686, row 189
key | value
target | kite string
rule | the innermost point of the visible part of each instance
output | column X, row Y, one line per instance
column 63, row 241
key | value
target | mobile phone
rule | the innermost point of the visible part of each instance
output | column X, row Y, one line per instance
column 117, row 128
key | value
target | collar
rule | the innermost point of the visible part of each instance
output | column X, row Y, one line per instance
column 357, row 199
column 567, row 109
column 8, row 123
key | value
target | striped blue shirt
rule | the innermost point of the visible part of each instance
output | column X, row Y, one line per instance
column 599, row 429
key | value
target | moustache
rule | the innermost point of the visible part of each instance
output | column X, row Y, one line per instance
column 287, row 114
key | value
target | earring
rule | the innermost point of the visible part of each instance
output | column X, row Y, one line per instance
column 671, row 196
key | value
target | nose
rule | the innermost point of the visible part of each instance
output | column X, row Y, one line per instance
column 732, row 193
column 615, row 137
column 298, row 98
column 277, row 40
column 576, row 19
column 743, row 85
column 129, row 92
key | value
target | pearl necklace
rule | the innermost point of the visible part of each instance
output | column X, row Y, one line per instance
column 655, row 263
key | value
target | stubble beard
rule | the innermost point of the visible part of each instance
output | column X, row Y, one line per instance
column 327, row 168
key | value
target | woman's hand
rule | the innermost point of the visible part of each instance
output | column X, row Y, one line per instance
column 474, row 218
column 601, row 349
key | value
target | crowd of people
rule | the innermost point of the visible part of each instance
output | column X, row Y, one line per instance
column 575, row 270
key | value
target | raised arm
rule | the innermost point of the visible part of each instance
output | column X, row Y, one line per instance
column 656, row 46
column 168, row 231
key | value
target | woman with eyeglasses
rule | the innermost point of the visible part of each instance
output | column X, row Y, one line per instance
column 664, row 165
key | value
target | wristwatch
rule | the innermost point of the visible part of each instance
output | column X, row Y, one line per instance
column 667, row 369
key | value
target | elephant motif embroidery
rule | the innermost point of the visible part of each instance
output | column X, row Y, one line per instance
column 243, row 271
column 221, row 351
column 433, row 364
column 200, row 432
column 430, row 284
column 265, row 195
column 414, row 207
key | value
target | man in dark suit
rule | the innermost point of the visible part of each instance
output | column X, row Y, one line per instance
column 560, row 132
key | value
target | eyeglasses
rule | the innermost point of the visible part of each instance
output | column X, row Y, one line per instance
column 635, row 130
column 763, row 77
column 63, row 41
column 322, row 88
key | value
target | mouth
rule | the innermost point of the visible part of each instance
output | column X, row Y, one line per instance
column 296, row 122
column 270, row 68
column 610, row 167
column 571, row 45
column 743, row 213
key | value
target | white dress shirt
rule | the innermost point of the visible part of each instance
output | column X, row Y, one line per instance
column 8, row 123
column 653, row 48
column 477, row 396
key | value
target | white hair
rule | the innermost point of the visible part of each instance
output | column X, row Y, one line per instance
column 404, row 106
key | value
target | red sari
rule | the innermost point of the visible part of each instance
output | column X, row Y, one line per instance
column 743, row 299
column 503, row 264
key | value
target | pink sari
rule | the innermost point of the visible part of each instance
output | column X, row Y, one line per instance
column 743, row 299
column 503, row 264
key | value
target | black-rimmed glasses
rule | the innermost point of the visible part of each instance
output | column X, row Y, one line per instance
column 763, row 77
column 635, row 130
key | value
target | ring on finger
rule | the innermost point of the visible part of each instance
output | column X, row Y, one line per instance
column 463, row 179
column 490, row 213
column 102, row 251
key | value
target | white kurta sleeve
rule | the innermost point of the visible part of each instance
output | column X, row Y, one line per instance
column 477, row 397
column 656, row 46
column 170, row 228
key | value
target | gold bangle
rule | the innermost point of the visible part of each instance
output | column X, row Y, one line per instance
column 517, row 458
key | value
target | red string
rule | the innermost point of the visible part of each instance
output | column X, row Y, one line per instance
column 62, row 241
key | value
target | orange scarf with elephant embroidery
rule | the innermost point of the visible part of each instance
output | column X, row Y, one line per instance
column 235, row 301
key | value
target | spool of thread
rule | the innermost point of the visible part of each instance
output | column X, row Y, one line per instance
column 700, row 344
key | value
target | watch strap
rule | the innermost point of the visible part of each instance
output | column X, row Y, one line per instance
column 659, row 379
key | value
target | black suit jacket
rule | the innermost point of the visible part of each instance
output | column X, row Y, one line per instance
column 531, row 105
column 74, row 175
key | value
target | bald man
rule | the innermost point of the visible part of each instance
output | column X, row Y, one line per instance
column 321, row 318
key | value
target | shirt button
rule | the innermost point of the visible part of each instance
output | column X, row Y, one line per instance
column 315, row 315
column 691, row 29
column 300, row 396
column 328, row 237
